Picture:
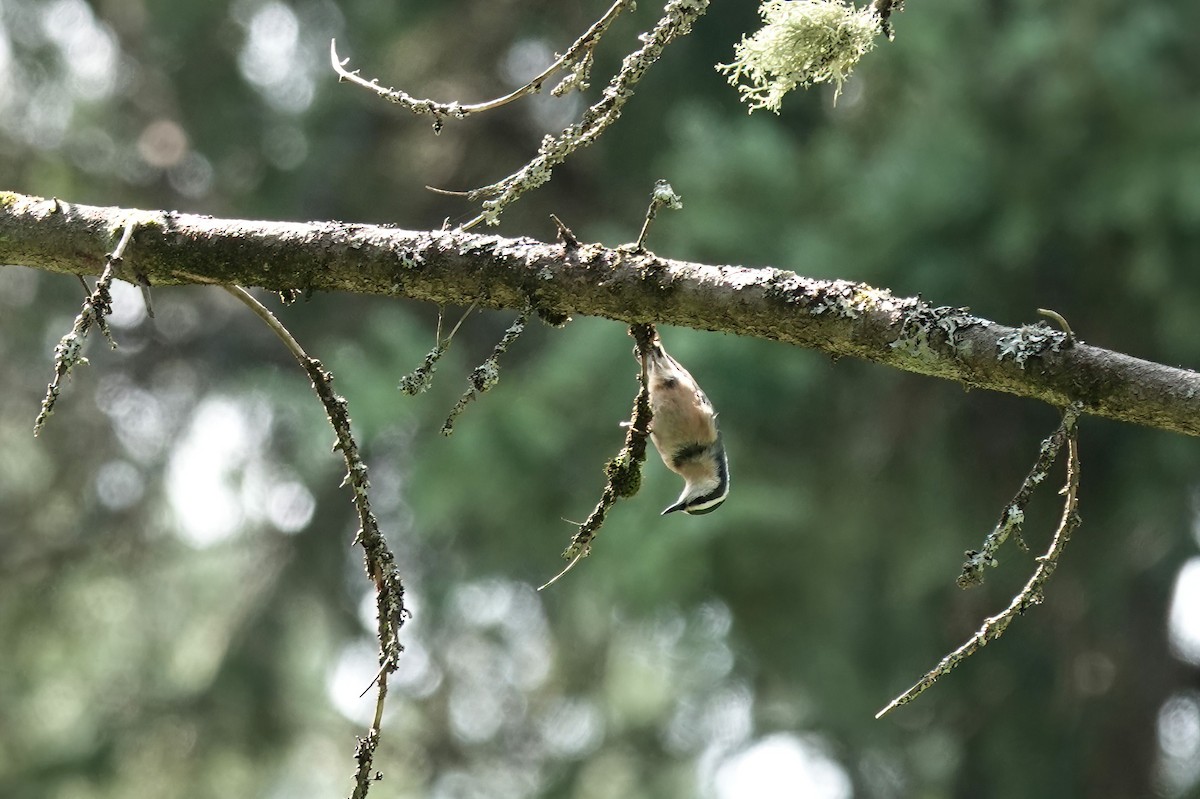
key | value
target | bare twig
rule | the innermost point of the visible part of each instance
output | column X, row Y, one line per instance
column 624, row 472
column 1030, row 595
column 144, row 284
column 577, row 58
column 378, row 558
column 568, row 238
column 1013, row 516
column 1057, row 317
column 97, row 306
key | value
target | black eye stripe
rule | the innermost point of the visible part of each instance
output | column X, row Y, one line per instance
column 717, row 493
column 703, row 511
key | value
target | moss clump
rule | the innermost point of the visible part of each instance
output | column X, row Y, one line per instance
column 623, row 474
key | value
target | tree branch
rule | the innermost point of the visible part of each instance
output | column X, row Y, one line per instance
column 581, row 49
column 839, row 317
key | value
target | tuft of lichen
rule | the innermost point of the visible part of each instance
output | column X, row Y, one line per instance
column 802, row 42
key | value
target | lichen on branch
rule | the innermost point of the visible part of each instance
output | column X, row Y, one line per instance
column 839, row 317
column 801, row 42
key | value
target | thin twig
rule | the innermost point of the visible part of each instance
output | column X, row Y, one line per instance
column 565, row 235
column 1062, row 322
column 579, row 52
column 420, row 379
column 485, row 376
column 1029, row 596
column 96, row 307
column 663, row 197
column 379, row 560
column 1013, row 516
column 676, row 21
column 624, row 472
column 144, row 284
column 885, row 9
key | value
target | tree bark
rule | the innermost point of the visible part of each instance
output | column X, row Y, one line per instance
column 839, row 317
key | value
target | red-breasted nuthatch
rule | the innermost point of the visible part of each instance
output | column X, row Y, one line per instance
column 684, row 430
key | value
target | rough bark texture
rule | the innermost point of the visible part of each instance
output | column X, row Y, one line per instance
column 838, row 317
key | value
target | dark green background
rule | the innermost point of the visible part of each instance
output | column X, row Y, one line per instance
column 1002, row 156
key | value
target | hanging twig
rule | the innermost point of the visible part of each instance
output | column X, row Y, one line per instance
column 1031, row 594
column 380, row 563
column 885, row 9
column 420, row 379
column 485, row 376
column 96, row 307
column 624, row 472
column 1013, row 516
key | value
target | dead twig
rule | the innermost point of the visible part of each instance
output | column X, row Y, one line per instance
column 1031, row 594
column 577, row 59
column 379, row 561
column 1012, row 518
column 96, row 307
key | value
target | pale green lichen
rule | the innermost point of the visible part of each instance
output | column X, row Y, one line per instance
column 485, row 376
column 1030, row 341
column 664, row 196
column 419, row 380
column 851, row 300
column 920, row 325
column 577, row 79
column 802, row 42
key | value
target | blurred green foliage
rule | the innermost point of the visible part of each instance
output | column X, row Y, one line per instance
column 181, row 610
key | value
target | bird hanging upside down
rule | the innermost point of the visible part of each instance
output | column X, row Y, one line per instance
column 684, row 430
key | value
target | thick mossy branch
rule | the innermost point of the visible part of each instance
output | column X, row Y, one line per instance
column 838, row 317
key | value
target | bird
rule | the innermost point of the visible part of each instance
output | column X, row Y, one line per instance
column 683, row 428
